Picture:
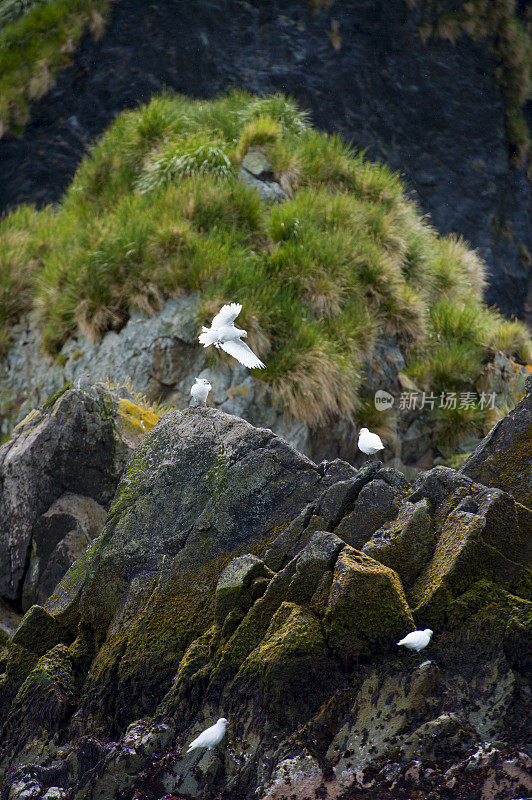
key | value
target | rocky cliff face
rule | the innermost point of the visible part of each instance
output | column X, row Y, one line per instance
column 434, row 111
column 235, row 577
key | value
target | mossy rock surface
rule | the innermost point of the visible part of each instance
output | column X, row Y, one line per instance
column 44, row 702
column 405, row 544
column 385, row 707
column 367, row 608
column 234, row 585
column 291, row 668
column 136, row 652
column 39, row 631
column 201, row 487
column 485, row 541
column 504, row 458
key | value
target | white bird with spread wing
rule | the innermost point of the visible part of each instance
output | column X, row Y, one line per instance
column 223, row 335
column 210, row 737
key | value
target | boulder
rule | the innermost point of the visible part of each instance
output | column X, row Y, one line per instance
column 236, row 584
column 406, row 543
column 504, row 457
column 59, row 537
column 291, row 668
column 200, row 487
column 316, row 558
column 367, row 609
column 74, row 444
column 377, row 503
column 483, row 536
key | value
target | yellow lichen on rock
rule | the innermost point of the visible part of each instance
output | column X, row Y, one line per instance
column 134, row 421
column 33, row 413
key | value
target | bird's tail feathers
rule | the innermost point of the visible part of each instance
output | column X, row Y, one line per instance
column 208, row 337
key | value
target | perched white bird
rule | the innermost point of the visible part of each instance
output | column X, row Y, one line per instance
column 210, row 736
column 223, row 334
column 417, row 640
column 200, row 390
column 369, row 442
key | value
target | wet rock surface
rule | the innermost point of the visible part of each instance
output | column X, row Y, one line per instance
column 504, row 457
column 433, row 111
column 224, row 583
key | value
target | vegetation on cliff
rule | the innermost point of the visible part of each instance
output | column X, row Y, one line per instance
column 36, row 41
column 159, row 208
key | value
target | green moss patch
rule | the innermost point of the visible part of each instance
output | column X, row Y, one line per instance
column 367, row 607
column 291, row 668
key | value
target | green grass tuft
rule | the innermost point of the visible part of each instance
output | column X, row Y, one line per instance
column 157, row 209
column 36, row 40
column 186, row 156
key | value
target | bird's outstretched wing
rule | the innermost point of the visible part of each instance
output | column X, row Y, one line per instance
column 242, row 353
column 226, row 315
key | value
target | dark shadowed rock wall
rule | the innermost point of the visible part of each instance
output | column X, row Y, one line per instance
column 433, row 111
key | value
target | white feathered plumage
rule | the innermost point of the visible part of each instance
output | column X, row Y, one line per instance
column 369, row 442
column 210, row 736
column 416, row 640
column 223, row 334
column 200, row 390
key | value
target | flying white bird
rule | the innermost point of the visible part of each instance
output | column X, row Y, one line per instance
column 369, row 442
column 223, row 334
column 210, row 736
column 417, row 640
column 200, row 390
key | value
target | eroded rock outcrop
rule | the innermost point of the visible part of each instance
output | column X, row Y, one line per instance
column 58, row 475
column 504, row 457
column 234, row 577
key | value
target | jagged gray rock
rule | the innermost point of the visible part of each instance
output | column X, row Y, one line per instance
column 217, row 589
column 504, row 458
column 236, row 584
column 72, row 445
column 59, row 537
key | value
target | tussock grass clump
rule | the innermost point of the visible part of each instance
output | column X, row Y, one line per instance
column 451, row 425
column 512, row 338
column 158, row 209
column 261, row 130
column 36, row 40
column 193, row 155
